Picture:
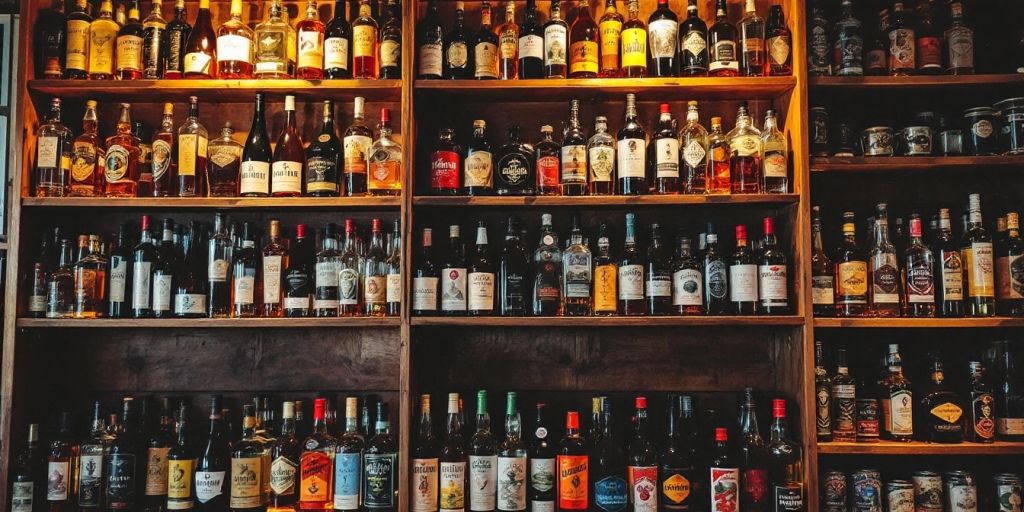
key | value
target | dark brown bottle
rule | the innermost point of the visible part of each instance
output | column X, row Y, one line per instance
column 742, row 276
column 981, row 415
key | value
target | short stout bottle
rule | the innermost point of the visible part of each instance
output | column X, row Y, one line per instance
column 445, row 164
column 631, row 273
column 939, row 411
column 743, row 279
column 572, row 467
column 514, row 166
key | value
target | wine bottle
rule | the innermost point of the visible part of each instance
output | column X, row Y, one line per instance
column 425, row 278
column 323, row 158
column 254, row 171
column 289, row 158
column 213, row 463
column 337, row 37
column 144, row 257
column 200, row 53
column 297, row 281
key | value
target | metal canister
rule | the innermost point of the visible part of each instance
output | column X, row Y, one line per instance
column 981, row 136
column 961, row 491
column 845, row 139
column 877, row 141
column 1012, row 132
column 1008, row 494
column 819, row 131
column 899, row 495
column 927, row 491
column 867, row 490
column 916, row 140
column 950, row 141
column 833, row 491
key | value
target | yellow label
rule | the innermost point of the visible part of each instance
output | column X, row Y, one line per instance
column 853, row 278
column 78, row 45
column 364, row 41
column 676, row 488
column 605, row 292
column 634, row 47
column 179, row 478
column 978, row 265
column 245, row 482
column 610, row 30
column 129, row 53
column 156, row 471
column 102, row 36
column 584, row 57
column 187, row 154
column 384, row 176
column 950, row 413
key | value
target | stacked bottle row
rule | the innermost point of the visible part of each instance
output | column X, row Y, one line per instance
column 913, row 277
column 692, row 468
column 226, row 272
column 149, row 461
column 109, row 46
column 185, row 162
column 968, row 404
column 923, row 489
column 607, row 48
column 574, row 279
column 667, row 160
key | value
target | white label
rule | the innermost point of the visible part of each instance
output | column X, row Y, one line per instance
column 486, row 55
column 286, row 177
column 694, row 153
column 772, row 283
column 555, row 42
column 234, row 47
column 57, row 481
column 254, row 177
column 189, row 304
column 424, row 485
column 162, row 292
column 574, row 164
column 452, row 486
column 531, row 46
column 217, row 271
column 479, row 169
column 686, row 288
column 37, row 303
column 140, row 284
column 311, row 49
column 602, row 163
column 453, row 289
column 662, row 37
column 666, row 157
column 430, row 59
column 631, row 282
column 743, row 283
column 118, row 278
column 46, row 152
column 348, row 287
column 631, row 158
column 198, row 62
column 511, row 483
column 336, row 53
column 21, row 496
column 483, row 475
column 424, row 293
column 656, row 287
column 326, row 274
column 481, row 291
column 694, row 43
column 296, row 302
column 394, row 288
column 245, row 286
column 271, row 279
column 209, row 485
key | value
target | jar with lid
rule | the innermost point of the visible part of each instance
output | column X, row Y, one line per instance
column 980, row 133
column 1012, row 132
column 950, row 140
column 916, row 138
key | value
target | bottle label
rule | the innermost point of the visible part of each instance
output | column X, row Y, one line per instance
column 791, row 498
column 375, row 289
column 140, row 284
column 775, row 163
column 1011, row 276
column 296, row 303
column 364, row 41
column 453, row 289
column 844, row 396
column 444, row 170
column 118, row 162
column 282, row 476
column 315, row 470
column 118, row 278
column 311, row 49
column 486, row 55
column 611, row 494
column 605, row 289
column 458, row 55
column 188, row 149
column 430, row 59
column 22, row 494
column 232, row 47
column 725, row 489
column 778, row 50
column 271, row 279
column 983, row 416
column 694, row 44
column 57, row 481
column 348, row 287
column 513, row 170
column 209, row 485
column 542, row 475
column 694, row 154
column 336, row 54
column 686, row 288
column 483, row 474
column 175, row 42
column 77, row 45
column 631, row 160
column 610, row 34
column 244, row 288
column 162, row 285
column 666, row 157
column 286, row 177
column 952, row 276
column 920, row 283
column 634, row 48
column 424, row 485
column 658, row 284
column 452, row 486
column 755, row 486
column 743, row 283
column 901, row 49
column 156, row 471
column 161, row 160
column 384, row 170
column 664, row 34
column 723, row 56
column 217, row 270
column 481, row 291
column 947, row 412
column 190, row 304
column 717, row 279
column 479, row 170
column 574, row 165
column 531, row 46
column 511, row 488
column 198, row 63
column 90, row 477
column 346, row 481
column 978, row 260
column 745, row 145
column 675, row 490
column 245, row 482
column 772, row 283
column 959, row 42
column 120, row 473
column 424, row 294
column 929, row 52
column 547, row 171
column 643, row 483
column 102, row 37
column 631, row 282
column 853, row 281
column 179, row 484
column 83, row 159
column 129, row 53
column 393, row 293
column 390, row 53
column 602, row 163
column 508, row 45
column 1010, row 426
column 885, row 280
column 321, row 174
column 577, row 274
column 357, row 153
column 898, row 411
column 573, row 471
column 555, row 42
column 822, row 291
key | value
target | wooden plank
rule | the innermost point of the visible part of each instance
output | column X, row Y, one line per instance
column 624, row 201
column 596, row 322
column 211, row 91
column 920, row 448
column 208, row 203
column 208, row 323
column 878, row 84
column 845, row 165
column 557, row 89
column 918, row 323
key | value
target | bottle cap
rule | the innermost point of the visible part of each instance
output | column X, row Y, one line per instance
column 319, row 406
column 721, row 434
column 641, row 402
column 665, row 108
column 288, row 410
column 741, row 232
column 572, row 420
column 778, row 408
column 769, row 226
column 453, row 403
column 385, row 115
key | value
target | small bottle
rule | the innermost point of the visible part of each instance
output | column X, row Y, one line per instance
column 222, row 170
column 385, row 163
column 718, row 166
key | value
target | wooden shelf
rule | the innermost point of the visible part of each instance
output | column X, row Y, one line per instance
column 919, row 448
column 217, row 90
column 920, row 323
column 207, row 323
column 560, row 89
column 277, row 203
column 837, row 165
column 610, row 321
column 583, row 201
column 877, row 84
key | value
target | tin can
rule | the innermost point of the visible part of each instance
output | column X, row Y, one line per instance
column 846, row 139
column 877, row 141
column 1008, row 493
column 927, row 491
column 819, row 131
column 916, row 140
column 950, row 140
column 833, row 491
column 867, row 420
column 961, row 491
column 899, row 495
column 981, row 136
column 1012, row 132
column 867, row 490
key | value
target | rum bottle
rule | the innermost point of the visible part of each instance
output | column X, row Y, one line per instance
column 572, row 467
column 724, row 58
column 316, row 463
column 310, row 39
column 694, row 150
column 556, row 43
column 718, row 165
column 289, row 157
column 752, row 39
column 480, row 276
column 601, row 159
column 574, row 155
column 743, row 278
column 356, row 143
column 850, row 271
column 54, row 155
column 665, row 154
column 745, row 153
column 200, row 53
column 919, row 277
column 631, row 273
column 577, row 274
column 976, row 254
column 884, row 269
column 385, row 163
column 365, row 52
column 634, row 43
column 103, row 33
column 485, row 47
column 547, row 268
column 508, row 45
column 121, row 168
column 610, row 31
column 478, row 178
column 235, row 46
column 583, row 44
column 87, row 156
column 632, row 152
column 663, row 33
column 844, row 402
column 192, row 153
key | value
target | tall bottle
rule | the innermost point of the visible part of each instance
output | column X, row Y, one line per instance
column 299, row 276
column 178, row 31
column 452, row 480
column 694, row 151
column 254, row 171
column 610, row 31
column 902, row 58
column 772, row 274
column 76, row 52
column 663, row 30
column 289, row 157
column 572, row 465
column 634, row 43
column 425, row 278
column 122, row 158
column 191, row 287
column 365, row 50
column 316, row 464
column 976, row 254
column 219, row 254
column 90, row 462
column 822, row 279
column 531, row 44
column 774, row 157
column 284, row 462
column 310, row 40
column 642, row 462
column 164, row 166
column 122, row 464
column 424, row 466
column 918, row 268
column 245, row 276
column 556, row 43
column 577, row 274
column 722, row 42
column 512, row 467
column 246, row 465
column 102, row 40
column 850, row 271
column 380, row 466
column 458, row 62
column 129, row 49
column 844, row 399
column 657, row 275
column 884, row 269
column 981, row 418
column 323, row 158
column 786, row 463
column 478, row 170
column 508, row 44
column 1009, row 397
column 724, row 481
column 693, row 43
column 453, row 284
column 743, row 276
column 718, row 167
column 574, row 155
column 235, row 46
column 584, row 49
column 61, row 466
column 348, row 460
column 357, row 143
column 778, row 41
column 752, row 39
column 541, row 482
column 200, row 53
column 430, row 43
column 547, row 267
column 271, row 51
column 372, row 283
column 897, row 400
column 949, row 271
column 192, row 144
column 632, row 152
column 513, row 270
column 664, row 155
column 213, row 464
column 754, row 494
column 631, row 273
column 480, row 276
column 716, row 276
column 1008, row 262
column 959, row 42
column 483, row 462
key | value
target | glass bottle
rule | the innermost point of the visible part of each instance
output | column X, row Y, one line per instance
column 631, row 273
column 513, row 270
column 246, row 465
column 200, row 52
column 939, row 411
column 583, row 44
column 270, row 55
column 356, row 143
column 918, row 274
column 716, row 276
column 573, row 465
column 326, row 270
column 365, row 52
column 772, row 274
column 323, row 158
column 87, row 155
column 391, row 43
column 424, row 464
column 664, row 155
column 632, row 152
column 235, row 46
column 453, row 275
column 642, row 460
column 163, row 165
column 512, row 465
column 1009, row 397
column 50, row 32
column 145, row 164
column 844, row 399
column 445, row 161
column 548, row 163
column 743, row 276
column 76, row 52
column 663, row 35
column 425, row 278
column 222, row 170
column 121, row 463
column 822, row 396
column 606, row 273
column 556, row 43
column 178, row 31
column 778, row 44
column 774, row 156
column 719, row 166
column 163, row 271
column 430, row 43
column 981, row 418
column 374, row 273
column 316, row 463
column 380, row 466
column 337, row 37
column 514, row 170
column 480, row 276
column 274, row 260
column 902, row 59
column 190, row 287
column 693, row 43
column 121, row 168
column 687, row 281
column 298, row 276
column 693, row 142
column 722, row 40
column 192, row 152
column 219, row 255
column 457, row 58
column 754, row 458
column 928, row 42
column 850, row 273
column 154, row 53
column 60, row 285
column 724, row 481
column 350, row 294
column 1008, row 261
column 658, row 275
column 610, row 32
column 54, row 155
column 959, row 42
column 949, row 271
column 745, row 152
column 786, row 462
column 847, row 53
column 284, row 457
column 478, row 171
column 245, row 278
column 289, row 157
column 530, row 45
column 884, row 269
column 102, row 41
column 752, row 40
column 482, row 468
column 574, row 155
column 91, row 282
column 634, row 43
column 601, row 159
column 485, row 47
column 385, row 163
column 822, row 280
column 452, row 475
column 976, row 254
column 577, row 274
column 508, row 44
column 547, row 267
column 819, row 49
column 897, row 400
column 310, row 40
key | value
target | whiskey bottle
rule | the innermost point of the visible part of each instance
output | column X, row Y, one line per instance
column 897, row 400
column 718, row 166
column 102, row 41
column 430, row 44
column 743, row 276
column 548, row 157
column 512, row 464
column 631, row 152
column 631, row 274
column 87, row 155
column 219, row 257
column 350, row 293
column 981, row 419
column 200, row 53
column 547, row 271
column 222, row 168
column 663, row 35
column 365, row 51
column 380, row 466
column 976, row 255
column 918, row 268
column 531, row 44
column 850, row 273
column 819, row 50
column 274, row 260
column 902, row 59
column 478, row 176
column 347, row 460
column 246, row 465
column 323, row 158
column 178, row 31
column 948, row 273
column 235, row 46
column 556, row 43
column 374, row 273
column 91, row 282
column 601, row 159
column 289, row 157
column 508, row 44
column 485, row 47
column 693, row 43
column 385, row 163
column 452, row 476
column 270, row 56
column 1009, row 398
column 752, row 40
column 574, row 155
column 356, row 143
column 190, row 287
column 694, row 142
column 310, row 40
column 76, row 49
column 774, row 157
column 480, row 276
column 154, row 42
column 844, row 402
column 745, row 154
column 122, row 158
column 54, row 156
column 572, row 464
column 514, row 172
column 884, row 268
column 724, row 481
column 425, row 278
column 299, row 277
column 657, row 276
column 822, row 396
column 610, row 32
column 193, row 148
column 928, row 42
column 121, row 465
column 60, row 285
column 458, row 62
column 724, row 58
column 634, row 43
column 822, row 279
column 391, row 43
column 642, row 461
column 453, row 276
column 716, row 276
column 755, row 462
column 778, row 45
column 245, row 278
column 959, row 42
column 786, row 469
column 939, row 410
column 687, row 281
column 576, row 274
column 583, row 44
column 772, row 274
column 606, row 272
column 315, row 466
column 163, row 167
column 1009, row 269
column 847, row 53
column 664, row 155
column 483, row 463
column 145, row 165
column 512, row 273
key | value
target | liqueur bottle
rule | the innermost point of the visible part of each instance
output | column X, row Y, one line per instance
column 610, row 36
column 642, row 462
column 478, row 176
column 724, row 478
column 513, row 270
column 299, row 276
column 178, row 32
column 458, row 62
column 897, row 400
column 480, row 276
column 949, row 271
column 574, row 155
column 391, row 45
column 508, row 45
column 310, row 40
column 323, row 158
column 485, row 47
column 235, row 46
column 452, row 475
column 745, row 154
column 425, row 278
column 514, row 166
column 424, row 466
column 664, row 155
column 356, row 143
column 584, row 48
column 445, row 163
column 380, row 466
column 531, row 44
column 556, row 43
column 572, row 463
column 631, row 274
column 976, row 255
column 192, row 144
column 128, row 47
column 200, row 53
column 939, row 411
column 548, row 157
column 884, row 269
column 822, row 278
column 718, row 166
column 694, row 149
column 102, row 41
column 693, row 43
column 786, row 463
column 723, row 54
column 981, row 419
column 316, row 463
column 76, row 51
column 60, row 285
column 844, row 398
column 365, row 50
column 90, row 282
column 270, row 56
column 430, row 42
column 121, row 160
column 631, row 152
column 289, row 157
column 87, row 155
column 547, row 267
column 222, row 169
column 385, row 162
column 716, row 276
column 284, row 462
column 778, row 47
column 752, row 41
column 850, row 271
column 918, row 268
column 743, row 279
column 577, row 276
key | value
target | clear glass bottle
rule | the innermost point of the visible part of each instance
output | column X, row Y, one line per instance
column 718, row 167
column 245, row 279
column 385, row 164
column 574, row 154
column 271, row 53
column 87, row 155
column 374, row 273
column 547, row 279
column 350, row 293
column 310, row 40
column 745, row 149
column 60, row 286
column 122, row 158
column 577, row 274
column 235, row 46
column 508, row 44
column 91, row 282
column 631, row 273
column 193, row 142
column 601, row 159
column 774, row 156
column 976, row 250
column 850, row 273
column 693, row 143
column 883, row 268
column 53, row 154
column 752, row 41
column 224, row 159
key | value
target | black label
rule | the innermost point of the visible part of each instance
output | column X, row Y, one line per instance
column 514, row 172
column 120, row 481
column 788, row 498
column 379, row 480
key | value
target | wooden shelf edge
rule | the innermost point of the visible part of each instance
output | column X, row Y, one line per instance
column 214, row 202
column 921, row 323
column 554, row 88
column 201, row 323
column 876, row 82
column 911, row 163
column 645, row 200
column 270, row 86
column 920, row 448
column 612, row 321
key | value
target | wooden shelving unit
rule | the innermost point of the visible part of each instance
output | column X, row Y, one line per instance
column 218, row 91
column 876, row 84
column 665, row 89
column 919, row 448
column 916, row 323
column 599, row 322
column 208, row 203
column 621, row 201
column 208, row 323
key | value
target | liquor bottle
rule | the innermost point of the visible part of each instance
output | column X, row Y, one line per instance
column 394, row 291
column 453, row 284
column 425, row 278
column 181, row 461
column 948, row 273
column 365, row 52
column 121, row 464
column 289, row 157
column 572, row 464
column 117, row 275
column 310, row 40
column 752, row 30
column 235, row 46
column 755, row 462
column 178, row 31
column 193, row 148
column 663, row 29
column 458, row 62
column 687, row 281
column 430, row 42
column 634, row 43
column 774, row 157
column 478, row 170
column 724, row 481
column 129, row 47
column 200, row 52
column 844, row 398
column 508, row 44
column 76, row 47
column 959, row 42
column 485, row 47
column 219, row 259
column 642, row 462
column 1008, row 261
column 605, row 277
column 631, row 152
column 213, row 465
column 631, row 268
column 512, row 273
column 577, row 275
column 694, row 141
column 254, row 169
column 145, row 165
column 658, row 276
column 822, row 279
column 664, row 155
column 981, row 418
column 270, row 54
column 385, row 163
column 245, row 278
column 772, row 274
column 876, row 49
column 154, row 44
column 223, row 164
column 445, row 160
column 574, row 155
column 928, row 42
column 822, row 396
column 716, row 276
column 51, row 31
column 976, row 255
column 542, row 489
column 483, row 463
column 374, row 267
column 897, row 400
column 1009, row 398
column 90, row 282
column 722, row 40
column 847, row 53
column 743, row 277
column 850, row 271
column 26, row 474
column 939, row 412
column 60, row 467
column 90, row 480
column 786, row 463
column 315, row 464
column 511, row 465
column 610, row 32
column 284, row 462
column 778, row 46
column 122, row 158
column 547, row 268
column 452, row 480
column 163, row 167
column 54, row 155
column 583, row 44
column 902, row 59
column 86, row 157
column 679, row 481
column 103, row 33
column 350, row 295
column 299, row 276
column 337, row 37
column 357, row 144
column 480, row 276
column 718, row 164
column 745, row 154
column 246, row 471
column 391, row 43
column 918, row 276
column 514, row 172
column 323, row 158
column 693, row 43
column 144, row 258
column 601, row 159
column 819, row 51
column 425, row 465
column 556, row 43
column 60, row 285
column 190, row 288
column 274, row 259
column 548, row 156
column 380, row 466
